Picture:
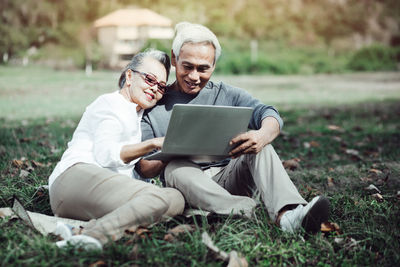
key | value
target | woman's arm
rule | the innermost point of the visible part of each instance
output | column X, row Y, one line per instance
column 134, row 151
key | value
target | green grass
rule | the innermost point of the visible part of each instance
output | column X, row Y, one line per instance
column 370, row 126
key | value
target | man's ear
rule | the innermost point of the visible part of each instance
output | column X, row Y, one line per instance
column 128, row 77
column 173, row 58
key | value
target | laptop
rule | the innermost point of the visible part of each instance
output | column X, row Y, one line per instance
column 202, row 133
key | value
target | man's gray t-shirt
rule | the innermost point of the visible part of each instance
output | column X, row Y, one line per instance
column 155, row 121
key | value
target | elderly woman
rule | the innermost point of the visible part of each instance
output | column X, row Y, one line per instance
column 93, row 180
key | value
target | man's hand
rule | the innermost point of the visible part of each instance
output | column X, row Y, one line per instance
column 254, row 141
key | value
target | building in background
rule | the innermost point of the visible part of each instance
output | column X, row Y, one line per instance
column 123, row 33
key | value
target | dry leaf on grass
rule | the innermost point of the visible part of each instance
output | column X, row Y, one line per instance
column 378, row 197
column 232, row 258
column 352, row 152
column 7, row 212
column 366, row 179
column 99, row 263
column 18, row 163
column 333, row 127
column 329, row 227
column 206, row 239
column 37, row 164
column 291, row 164
column 375, row 171
column 138, row 232
column 23, row 174
column 236, row 261
column 177, row 230
column 330, row 182
column 372, row 187
column 314, row 144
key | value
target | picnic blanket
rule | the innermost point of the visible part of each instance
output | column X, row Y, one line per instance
column 45, row 224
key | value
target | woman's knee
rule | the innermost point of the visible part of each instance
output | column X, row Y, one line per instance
column 176, row 201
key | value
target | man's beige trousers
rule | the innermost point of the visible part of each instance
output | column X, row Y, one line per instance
column 113, row 202
column 231, row 188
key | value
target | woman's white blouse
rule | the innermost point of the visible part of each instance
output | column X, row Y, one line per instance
column 107, row 124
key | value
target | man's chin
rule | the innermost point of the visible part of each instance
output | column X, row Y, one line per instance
column 192, row 91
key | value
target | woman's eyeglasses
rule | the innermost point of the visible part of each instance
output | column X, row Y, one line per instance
column 151, row 80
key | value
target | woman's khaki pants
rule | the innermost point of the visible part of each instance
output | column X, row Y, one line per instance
column 113, row 202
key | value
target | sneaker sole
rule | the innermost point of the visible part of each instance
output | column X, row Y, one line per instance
column 318, row 214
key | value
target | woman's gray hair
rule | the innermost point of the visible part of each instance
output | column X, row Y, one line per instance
column 186, row 32
column 137, row 60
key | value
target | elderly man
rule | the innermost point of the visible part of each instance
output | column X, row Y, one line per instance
column 254, row 167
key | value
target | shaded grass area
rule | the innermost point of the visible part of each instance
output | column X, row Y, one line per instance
column 339, row 152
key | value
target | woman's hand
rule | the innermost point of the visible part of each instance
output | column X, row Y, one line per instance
column 134, row 151
column 158, row 142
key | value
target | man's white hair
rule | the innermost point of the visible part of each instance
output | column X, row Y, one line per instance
column 186, row 32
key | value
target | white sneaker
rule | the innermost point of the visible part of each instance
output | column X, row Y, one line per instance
column 308, row 217
column 82, row 241
column 63, row 230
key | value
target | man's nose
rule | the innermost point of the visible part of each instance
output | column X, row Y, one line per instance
column 194, row 75
column 154, row 88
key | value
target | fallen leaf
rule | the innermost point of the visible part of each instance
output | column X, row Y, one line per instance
column 352, row 152
column 366, row 179
column 206, row 239
column 137, row 231
column 337, row 139
column 169, row 238
column 333, row 127
column 37, row 164
column 291, row 164
column 177, row 230
column 375, row 171
column 398, row 195
column 327, row 227
column 54, row 150
column 330, row 182
column 7, row 212
column 182, row 228
column 306, row 145
column 24, row 174
column 236, row 261
column 314, row 144
column 141, row 232
column 98, row 264
column 378, row 197
column 18, row 163
column 339, row 240
column 25, row 139
column 372, row 187
column 351, row 242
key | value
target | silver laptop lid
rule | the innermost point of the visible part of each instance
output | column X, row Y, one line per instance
column 204, row 129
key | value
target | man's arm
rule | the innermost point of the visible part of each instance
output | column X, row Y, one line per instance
column 254, row 141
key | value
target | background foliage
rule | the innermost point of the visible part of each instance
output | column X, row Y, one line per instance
column 294, row 36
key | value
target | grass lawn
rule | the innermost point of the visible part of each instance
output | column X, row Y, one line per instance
column 342, row 132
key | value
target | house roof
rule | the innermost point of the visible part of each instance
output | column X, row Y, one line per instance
column 133, row 17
